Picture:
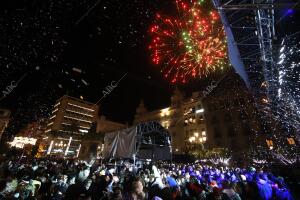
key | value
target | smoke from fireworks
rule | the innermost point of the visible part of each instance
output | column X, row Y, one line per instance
column 190, row 45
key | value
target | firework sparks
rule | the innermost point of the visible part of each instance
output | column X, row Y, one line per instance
column 190, row 45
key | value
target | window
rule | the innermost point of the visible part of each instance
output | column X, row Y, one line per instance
column 234, row 144
column 212, row 107
column 236, row 102
column 201, row 117
column 217, row 133
column 193, row 109
column 222, row 105
column 194, row 120
column 230, row 131
column 227, row 117
column 185, row 122
column 243, row 115
column 218, row 143
column 246, row 129
column 199, row 106
column 291, row 141
column 270, row 143
column 227, row 104
column 214, row 120
column 242, row 101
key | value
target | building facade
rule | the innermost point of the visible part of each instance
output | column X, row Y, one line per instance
column 71, row 119
column 72, row 112
column 231, row 116
column 4, row 120
column 184, row 119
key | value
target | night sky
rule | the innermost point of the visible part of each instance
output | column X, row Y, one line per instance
column 43, row 41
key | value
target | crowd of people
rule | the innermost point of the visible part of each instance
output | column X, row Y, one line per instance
column 60, row 179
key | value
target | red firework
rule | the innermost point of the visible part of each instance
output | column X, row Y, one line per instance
column 190, row 45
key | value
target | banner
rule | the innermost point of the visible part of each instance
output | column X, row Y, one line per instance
column 120, row 144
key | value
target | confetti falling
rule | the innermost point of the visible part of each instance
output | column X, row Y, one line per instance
column 287, row 79
column 280, row 111
column 190, row 45
column 38, row 38
column 77, row 70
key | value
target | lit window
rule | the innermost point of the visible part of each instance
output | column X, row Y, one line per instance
column 291, row 141
column 200, row 110
column 54, row 110
column 165, row 124
column 72, row 111
column 83, row 131
column 164, row 112
column 192, row 139
column 270, row 144
column 81, row 107
column 265, row 100
column 78, row 119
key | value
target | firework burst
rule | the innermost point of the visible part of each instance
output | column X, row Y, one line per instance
column 190, row 45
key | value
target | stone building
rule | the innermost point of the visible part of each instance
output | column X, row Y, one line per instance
column 231, row 117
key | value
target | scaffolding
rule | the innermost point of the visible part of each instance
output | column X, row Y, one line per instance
column 252, row 23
